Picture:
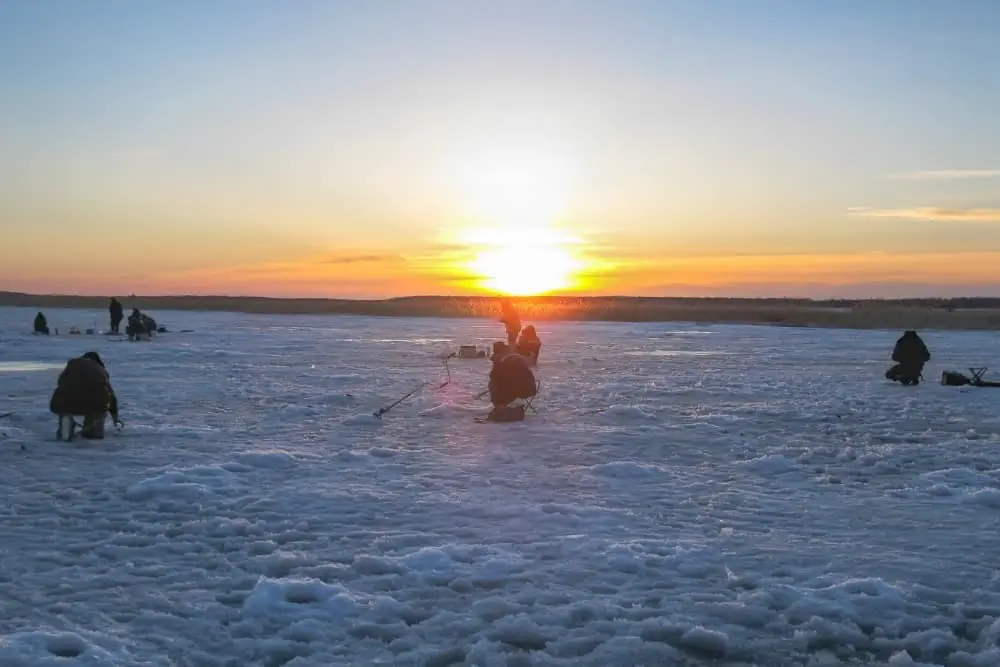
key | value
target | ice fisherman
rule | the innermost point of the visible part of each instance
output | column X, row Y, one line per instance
column 511, row 321
column 139, row 323
column 910, row 354
column 529, row 344
column 510, row 379
column 134, row 325
column 116, row 312
column 41, row 324
column 84, row 390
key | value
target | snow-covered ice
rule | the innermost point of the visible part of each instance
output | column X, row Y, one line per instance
column 694, row 495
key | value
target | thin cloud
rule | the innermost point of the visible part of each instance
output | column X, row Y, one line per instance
column 946, row 174
column 932, row 213
column 363, row 259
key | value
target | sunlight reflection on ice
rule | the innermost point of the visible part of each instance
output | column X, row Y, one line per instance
column 26, row 366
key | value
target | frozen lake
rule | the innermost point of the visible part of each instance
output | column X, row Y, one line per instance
column 684, row 496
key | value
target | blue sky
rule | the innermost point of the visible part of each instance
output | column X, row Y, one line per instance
column 200, row 143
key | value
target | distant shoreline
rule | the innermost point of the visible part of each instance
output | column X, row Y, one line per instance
column 970, row 314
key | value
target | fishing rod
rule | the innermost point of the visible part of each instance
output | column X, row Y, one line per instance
column 381, row 411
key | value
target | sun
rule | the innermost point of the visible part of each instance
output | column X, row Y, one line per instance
column 524, row 262
column 513, row 194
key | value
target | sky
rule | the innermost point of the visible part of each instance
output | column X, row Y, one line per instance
column 390, row 147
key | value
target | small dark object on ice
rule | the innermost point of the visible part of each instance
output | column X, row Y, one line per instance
column 956, row 379
column 504, row 414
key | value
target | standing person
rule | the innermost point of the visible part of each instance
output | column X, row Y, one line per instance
column 84, row 389
column 511, row 321
column 116, row 312
column 910, row 354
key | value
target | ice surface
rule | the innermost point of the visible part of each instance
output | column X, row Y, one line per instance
column 684, row 495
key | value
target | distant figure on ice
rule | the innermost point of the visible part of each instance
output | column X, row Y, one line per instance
column 511, row 321
column 116, row 312
column 529, row 345
column 84, row 390
column 134, row 324
column 910, row 354
column 139, row 325
column 41, row 325
column 510, row 379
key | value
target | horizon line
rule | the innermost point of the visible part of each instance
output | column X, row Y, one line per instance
column 6, row 294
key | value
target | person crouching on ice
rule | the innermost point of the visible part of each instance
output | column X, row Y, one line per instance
column 529, row 345
column 41, row 325
column 910, row 354
column 510, row 379
column 134, row 325
column 84, row 389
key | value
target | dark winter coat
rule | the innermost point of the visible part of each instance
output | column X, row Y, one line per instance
column 529, row 344
column 84, row 388
column 510, row 379
column 910, row 351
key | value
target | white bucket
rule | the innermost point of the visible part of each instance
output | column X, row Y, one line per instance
column 66, row 428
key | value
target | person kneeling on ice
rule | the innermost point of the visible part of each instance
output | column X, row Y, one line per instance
column 140, row 324
column 510, row 379
column 134, row 324
column 910, row 354
column 84, row 389
column 529, row 345
column 41, row 324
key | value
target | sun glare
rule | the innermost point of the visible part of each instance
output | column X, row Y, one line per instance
column 524, row 262
column 508, row 186
column 514, row 194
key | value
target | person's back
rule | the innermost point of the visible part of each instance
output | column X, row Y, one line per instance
column 84, row 389
column 134, row 326
column 910, row 354
column 510, row 378
column 529, row 345
column 41, row 324
column 910, row 349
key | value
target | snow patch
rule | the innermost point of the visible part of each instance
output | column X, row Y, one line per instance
column 184, row 483
column 366, row 419
column 271, row 460
column 628, row 470
column 771, row 464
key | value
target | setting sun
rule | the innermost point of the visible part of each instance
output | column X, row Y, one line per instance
column 514, row 193
column 524, row 262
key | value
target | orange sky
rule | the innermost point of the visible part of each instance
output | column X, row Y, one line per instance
column 374, row 274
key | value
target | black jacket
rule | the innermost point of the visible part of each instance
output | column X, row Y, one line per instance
column 910, row 350
column 84, row 388
column 510, row 379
